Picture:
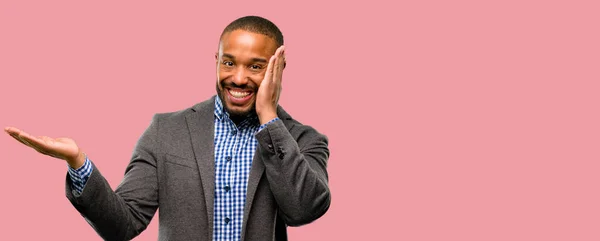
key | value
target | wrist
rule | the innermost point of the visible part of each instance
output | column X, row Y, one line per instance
column 78, row 161
column 264, row 118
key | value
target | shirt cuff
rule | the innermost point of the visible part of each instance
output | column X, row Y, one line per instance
column 80, row 175
column 263, row 126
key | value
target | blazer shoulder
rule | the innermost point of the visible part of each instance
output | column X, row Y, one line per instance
column 297, row 128
column 203, row 106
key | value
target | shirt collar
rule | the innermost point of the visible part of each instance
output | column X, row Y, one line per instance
column 220, row 113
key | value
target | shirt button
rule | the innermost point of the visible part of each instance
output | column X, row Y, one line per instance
column 227, row 188
column 228, row 158
column 270, row 147
column 227, row 220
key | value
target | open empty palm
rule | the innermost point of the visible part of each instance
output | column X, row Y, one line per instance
column 62, row 148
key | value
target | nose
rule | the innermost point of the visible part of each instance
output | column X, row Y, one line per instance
column 240, row 77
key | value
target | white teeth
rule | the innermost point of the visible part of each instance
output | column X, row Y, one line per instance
column 239, row 94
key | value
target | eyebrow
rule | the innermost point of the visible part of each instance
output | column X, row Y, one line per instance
column 261, row 60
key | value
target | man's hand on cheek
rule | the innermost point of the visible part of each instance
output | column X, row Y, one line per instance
column 270, row 88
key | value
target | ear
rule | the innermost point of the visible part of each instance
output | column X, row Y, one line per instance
column 216, row 56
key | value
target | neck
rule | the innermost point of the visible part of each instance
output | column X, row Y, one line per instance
column 238, row 119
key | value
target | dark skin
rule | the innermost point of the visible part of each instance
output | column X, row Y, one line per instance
column 246, row 62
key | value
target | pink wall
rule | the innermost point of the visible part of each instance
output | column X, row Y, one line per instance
column 448, row 120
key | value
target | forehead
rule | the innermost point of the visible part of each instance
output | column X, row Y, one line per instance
column 244, row 43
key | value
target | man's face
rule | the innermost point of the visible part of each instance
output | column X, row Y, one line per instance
column 242, row 61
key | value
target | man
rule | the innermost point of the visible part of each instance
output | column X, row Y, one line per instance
column 233, row 167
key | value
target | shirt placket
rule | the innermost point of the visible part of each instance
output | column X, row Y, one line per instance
column 230, row 178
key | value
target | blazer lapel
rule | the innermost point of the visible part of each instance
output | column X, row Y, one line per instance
column 200, row 122
column 256, row 173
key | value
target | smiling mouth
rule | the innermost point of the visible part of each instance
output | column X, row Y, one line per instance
column 239, row 94
column 239, row 97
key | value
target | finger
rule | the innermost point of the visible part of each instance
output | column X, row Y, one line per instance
column 12, row 130
column 32, row 140
column 283, row 59
column 278, row 51
column 16, row 137
column 14, row 133
column 280, row 63
column 32, row 146
column 281, row 56
column 38, row 145
column 20, row 136
column 269, row 73
column 39, row 149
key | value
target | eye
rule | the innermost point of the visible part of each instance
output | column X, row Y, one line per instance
column 227, row 63
column 256, row 67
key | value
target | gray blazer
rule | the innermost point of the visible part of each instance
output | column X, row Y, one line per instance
column 172, row 170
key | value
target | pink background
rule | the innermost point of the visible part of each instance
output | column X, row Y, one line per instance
column 448, row 120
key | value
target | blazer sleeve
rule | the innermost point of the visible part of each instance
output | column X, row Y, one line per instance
column 297, row 171
column 126, row 212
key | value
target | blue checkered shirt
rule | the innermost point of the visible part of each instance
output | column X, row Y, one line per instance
column 234, row 151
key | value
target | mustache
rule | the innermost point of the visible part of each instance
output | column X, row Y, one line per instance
column 232, row 85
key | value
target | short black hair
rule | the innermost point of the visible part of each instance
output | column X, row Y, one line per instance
column 258, row 25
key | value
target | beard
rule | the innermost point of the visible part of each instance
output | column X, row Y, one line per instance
column 236, row 115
